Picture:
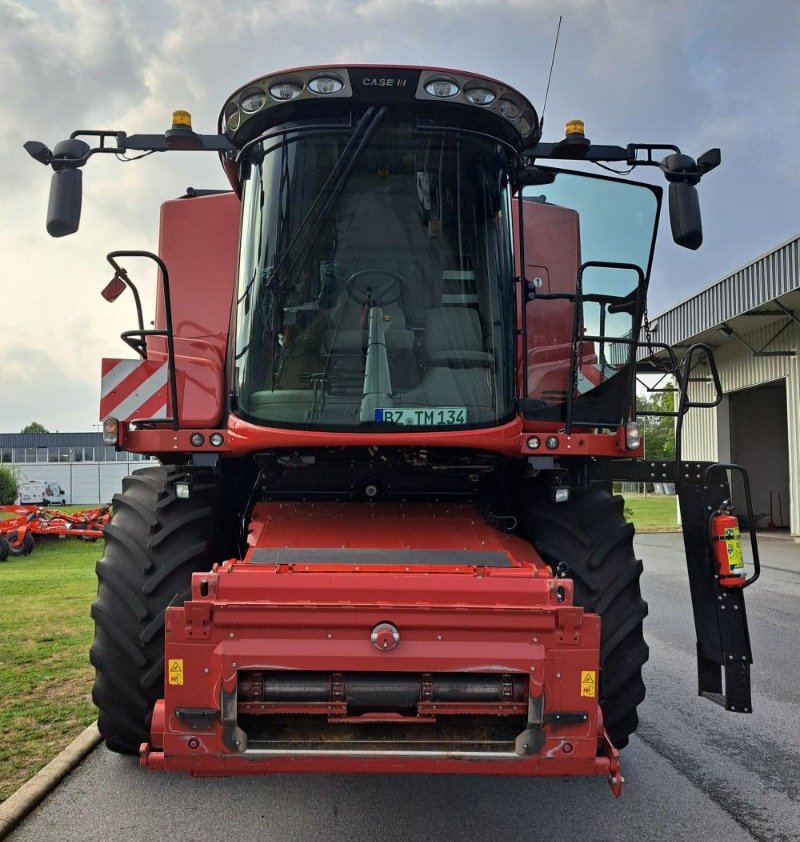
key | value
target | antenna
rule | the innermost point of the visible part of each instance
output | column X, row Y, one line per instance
column 550, row 74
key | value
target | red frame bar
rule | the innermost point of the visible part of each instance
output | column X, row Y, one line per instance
column 241, row 437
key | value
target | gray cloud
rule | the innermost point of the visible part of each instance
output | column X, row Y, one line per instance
column 698, row 74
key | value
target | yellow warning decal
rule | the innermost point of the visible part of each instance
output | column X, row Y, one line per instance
column 175, row 671
column 588, row 683
column 733, row 544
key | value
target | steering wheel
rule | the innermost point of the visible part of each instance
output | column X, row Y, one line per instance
column 382, row 293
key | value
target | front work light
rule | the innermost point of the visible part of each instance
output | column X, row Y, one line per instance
column 325, row 85
column 633, row 438
column 252, row 101
column 442, row 87
column 110, row 431
column 560, row 494
column 480, row 96
column 285, row 90
column 510, row 110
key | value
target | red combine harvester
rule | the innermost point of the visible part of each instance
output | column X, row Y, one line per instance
column 390, row 379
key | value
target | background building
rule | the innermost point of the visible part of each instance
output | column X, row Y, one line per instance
column 751, row 319
column 87, row 470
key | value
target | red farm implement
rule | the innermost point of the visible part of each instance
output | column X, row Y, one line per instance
column 17, row 531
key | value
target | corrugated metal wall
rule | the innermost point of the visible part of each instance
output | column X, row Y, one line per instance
column 740, row 369
column 766, row 278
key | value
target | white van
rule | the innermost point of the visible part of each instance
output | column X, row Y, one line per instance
column 40, row 492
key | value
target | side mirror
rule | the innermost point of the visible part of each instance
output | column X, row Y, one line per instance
column 684, row 215
column 113, row 289
column 64, row 207
column 66, row 186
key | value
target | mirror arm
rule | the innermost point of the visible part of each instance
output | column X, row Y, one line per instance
column 123, row 143
column 675, row 166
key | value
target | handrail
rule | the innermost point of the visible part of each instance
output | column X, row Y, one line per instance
column 137, row 339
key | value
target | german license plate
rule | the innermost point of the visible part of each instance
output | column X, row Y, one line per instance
column 424, row 416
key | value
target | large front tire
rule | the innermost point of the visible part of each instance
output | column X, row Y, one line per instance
column 153, row 543
column 589, row 536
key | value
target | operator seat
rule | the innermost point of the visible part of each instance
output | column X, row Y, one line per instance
column 348, row 325
column 458, row 371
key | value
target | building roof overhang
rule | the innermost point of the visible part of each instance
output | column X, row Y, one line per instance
column 761, row 294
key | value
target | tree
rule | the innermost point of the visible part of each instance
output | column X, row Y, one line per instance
column 34, row 427
column 658, row 431
column 9, row 487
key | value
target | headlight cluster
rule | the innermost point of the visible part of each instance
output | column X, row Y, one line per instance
column 487, row 94
column 275, row 91
column 382, row 84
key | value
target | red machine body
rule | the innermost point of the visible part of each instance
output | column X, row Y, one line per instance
column 199, row 242
column 270, row 665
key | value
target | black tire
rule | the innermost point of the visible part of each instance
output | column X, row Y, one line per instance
column 589, row 535
column 5, row 548
column 153, row 543
column 25, row 548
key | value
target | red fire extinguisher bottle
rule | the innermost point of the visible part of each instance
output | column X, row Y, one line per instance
column 727, row 547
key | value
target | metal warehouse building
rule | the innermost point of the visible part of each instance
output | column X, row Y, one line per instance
column 87, row 470
column 751, row 320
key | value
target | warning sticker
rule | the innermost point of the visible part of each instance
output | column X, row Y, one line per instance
column 734, row 547
column 175, row 671
column 588, row 683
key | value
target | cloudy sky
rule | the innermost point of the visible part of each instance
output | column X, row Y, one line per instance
column 697, row 74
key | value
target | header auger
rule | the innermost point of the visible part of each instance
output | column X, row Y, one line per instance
column 391, row 376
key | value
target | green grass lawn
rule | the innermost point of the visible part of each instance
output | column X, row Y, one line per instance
column 45, row 634
column 654, row 513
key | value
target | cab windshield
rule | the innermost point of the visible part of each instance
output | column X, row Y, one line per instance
column 374, row 282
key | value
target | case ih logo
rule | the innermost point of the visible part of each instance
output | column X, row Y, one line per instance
column 383, row 82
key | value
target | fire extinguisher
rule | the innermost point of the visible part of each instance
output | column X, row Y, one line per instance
column 727, row 545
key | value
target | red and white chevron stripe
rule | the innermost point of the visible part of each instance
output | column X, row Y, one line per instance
column 133, row 389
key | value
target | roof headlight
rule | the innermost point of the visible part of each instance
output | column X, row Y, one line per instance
column 285, row 90
column 442, row 87
column 325, row 85
column 232, row 117
column 252, row 101
column 479, row 95
column 524, row 126
column 510, row 110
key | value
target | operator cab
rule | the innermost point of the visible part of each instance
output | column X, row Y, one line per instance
column 375, row 266
column 376, row 278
